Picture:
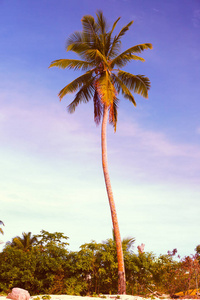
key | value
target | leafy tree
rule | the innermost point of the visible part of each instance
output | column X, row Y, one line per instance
column 25, row 242
column 188, row 275
column 47, row 239
column 140, row 268
column 100, row 57
column 41, row 268
column 17, row 268
column 89, row 262
column 165, row 273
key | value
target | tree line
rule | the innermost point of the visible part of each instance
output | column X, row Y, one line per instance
column 43, row 264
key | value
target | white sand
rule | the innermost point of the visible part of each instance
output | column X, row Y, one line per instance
column 109, row 297
column 68, row 297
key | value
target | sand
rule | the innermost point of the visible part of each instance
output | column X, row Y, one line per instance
column 109, row 297
column 68, row 297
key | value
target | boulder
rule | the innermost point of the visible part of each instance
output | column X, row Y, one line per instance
column 19, row 294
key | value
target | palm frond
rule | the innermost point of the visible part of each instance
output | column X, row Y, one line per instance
column 89, row 25
column 98, row 107
column 85, row 93
column 127, row 243
column 77, row 43
column 101, row 22
column 113, row 113
column 18, row 242
column 140, row 84
column 123, row 31
column 127, row 55
column 138, row 48
column 108, row 38
column 121, row 87
column 114, row 25
column 75, row 84
column 117, row 40
column 90, row 32
column 122, row 59
column 96, row 55
column 71, row 64
column 103, row 27
column 106, row 89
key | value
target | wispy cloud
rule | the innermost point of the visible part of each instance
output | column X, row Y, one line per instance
column 43, row 129
column 155, row 156
column 51, row 133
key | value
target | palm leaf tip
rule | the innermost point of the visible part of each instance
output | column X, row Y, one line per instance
column 50, row 66
column 150, row 46
column 54, row 63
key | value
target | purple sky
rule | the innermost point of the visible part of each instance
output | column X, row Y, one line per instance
column 51, row 176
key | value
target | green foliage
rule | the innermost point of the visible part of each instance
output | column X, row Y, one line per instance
column 197, row 249
column 49, row 268
column 48, row 239
column 38, row 269
column 139, row 270
column 25, row 243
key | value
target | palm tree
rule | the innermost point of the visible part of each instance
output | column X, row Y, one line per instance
column 25, row 243
column 127, row 242
column 1, row 230
column 100, row 57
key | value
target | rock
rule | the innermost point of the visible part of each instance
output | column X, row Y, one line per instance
column 19, row 294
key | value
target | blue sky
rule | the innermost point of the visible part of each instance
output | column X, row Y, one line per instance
column 51, row 176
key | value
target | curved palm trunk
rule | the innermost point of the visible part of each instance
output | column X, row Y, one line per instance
column 120, row 259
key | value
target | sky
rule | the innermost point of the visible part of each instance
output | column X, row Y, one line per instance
column 50, row 161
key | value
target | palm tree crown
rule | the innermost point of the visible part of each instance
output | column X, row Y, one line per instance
column 25, row 242
column 100, row 58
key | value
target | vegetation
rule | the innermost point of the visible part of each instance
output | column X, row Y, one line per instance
column 25, row 243
column 1, row 230
column 103, row 81
column 48, row 267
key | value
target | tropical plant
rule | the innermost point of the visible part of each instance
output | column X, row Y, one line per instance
column 1, row 230
column 41, row 269
column 17, row 268
column 197, row 249
column 100, row 57
column 127, row 243
column 48, row 239
column 24, row 243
